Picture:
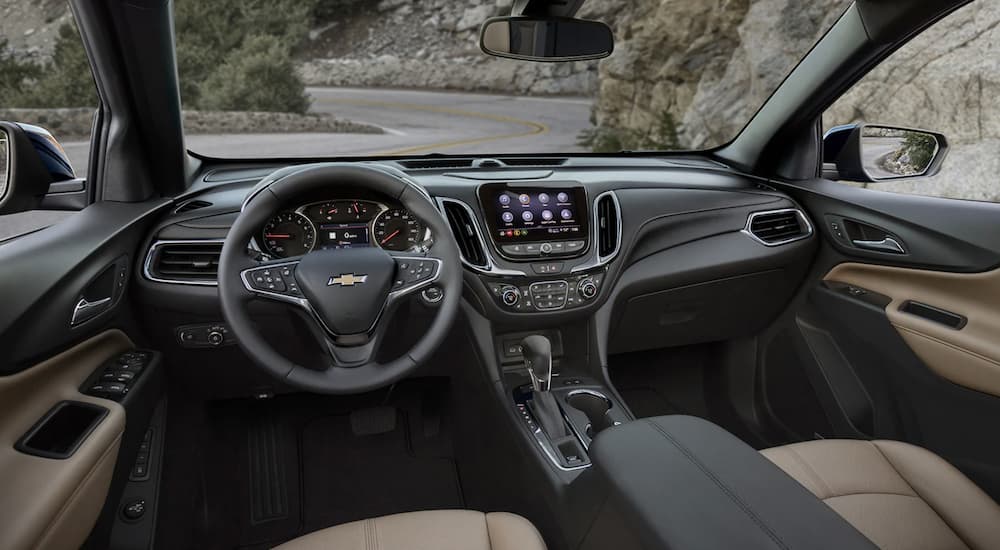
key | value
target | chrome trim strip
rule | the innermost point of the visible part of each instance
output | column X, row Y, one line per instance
column 595, row 237
column 148, row 263
column 491, row 268
column 546, row 445
column 801, row 215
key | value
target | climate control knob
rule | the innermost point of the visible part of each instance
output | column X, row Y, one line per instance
column 587, row 289
column 510, row 296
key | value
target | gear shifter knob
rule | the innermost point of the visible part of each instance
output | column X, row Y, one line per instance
column 538, row 360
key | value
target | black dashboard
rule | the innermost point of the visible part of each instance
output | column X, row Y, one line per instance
column 653, row 252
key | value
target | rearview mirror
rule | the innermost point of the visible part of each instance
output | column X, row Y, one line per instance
column 546, row 38
column 871, row 153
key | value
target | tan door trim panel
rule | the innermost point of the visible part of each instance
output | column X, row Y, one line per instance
column 970, row 356
column 52, row 503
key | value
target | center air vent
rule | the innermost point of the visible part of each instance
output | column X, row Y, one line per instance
column 188, row 262
column 469, row 242
column 778, row 226
column 608, row 226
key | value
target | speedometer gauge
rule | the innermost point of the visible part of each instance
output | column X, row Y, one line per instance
column 397, row 229
column 288, row 234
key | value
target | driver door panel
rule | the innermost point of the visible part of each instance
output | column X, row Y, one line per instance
column 49, row 502
column 66, row 312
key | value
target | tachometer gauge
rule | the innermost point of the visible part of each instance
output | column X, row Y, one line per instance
column 397, row 229
column 288, row 234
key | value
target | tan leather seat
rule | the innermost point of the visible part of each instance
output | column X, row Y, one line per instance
column 430, row 530
column 896, row 494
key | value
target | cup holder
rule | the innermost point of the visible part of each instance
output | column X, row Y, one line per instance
column 593, row 404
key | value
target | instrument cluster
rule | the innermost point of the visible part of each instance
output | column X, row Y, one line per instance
column 344, row 223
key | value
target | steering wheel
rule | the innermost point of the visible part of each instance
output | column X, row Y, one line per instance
column 349, row 294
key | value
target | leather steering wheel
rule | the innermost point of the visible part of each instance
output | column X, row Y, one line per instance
column 349, row 294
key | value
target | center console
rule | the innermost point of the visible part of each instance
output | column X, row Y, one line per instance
column 544, row 248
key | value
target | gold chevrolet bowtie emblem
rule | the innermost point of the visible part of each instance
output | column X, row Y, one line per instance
column 347, row 279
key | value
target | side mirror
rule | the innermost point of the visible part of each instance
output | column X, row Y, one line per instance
column 546, row 38
column 872, row 152
column 25, row 178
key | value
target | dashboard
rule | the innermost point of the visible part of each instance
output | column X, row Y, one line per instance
column 341, row 223
column 657, row 253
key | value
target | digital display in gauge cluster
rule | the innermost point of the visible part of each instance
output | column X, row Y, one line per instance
column 341, row 224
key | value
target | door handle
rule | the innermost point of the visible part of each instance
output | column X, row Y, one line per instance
column 887, row 244
column 86, row 310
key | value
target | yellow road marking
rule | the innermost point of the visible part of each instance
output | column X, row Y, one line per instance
column 535, row 127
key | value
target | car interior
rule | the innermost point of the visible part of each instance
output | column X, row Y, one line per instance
column 725, row 348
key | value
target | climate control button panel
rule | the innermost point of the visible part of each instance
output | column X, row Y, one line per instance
column 519, row 295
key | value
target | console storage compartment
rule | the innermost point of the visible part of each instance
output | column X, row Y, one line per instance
column 683, row 482
column 62, row 430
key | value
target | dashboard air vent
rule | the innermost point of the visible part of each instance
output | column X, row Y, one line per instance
column 192, row 205
column 465, row 232
column 608, row 229
column 435, row 164
column 185, row 262
column 777, row 227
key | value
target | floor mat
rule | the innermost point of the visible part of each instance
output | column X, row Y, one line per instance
column 347, row 477
column 283, row 467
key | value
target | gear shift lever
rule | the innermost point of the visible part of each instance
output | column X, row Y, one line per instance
column 538, row 360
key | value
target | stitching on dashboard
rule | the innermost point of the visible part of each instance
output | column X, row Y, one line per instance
column 718, row 482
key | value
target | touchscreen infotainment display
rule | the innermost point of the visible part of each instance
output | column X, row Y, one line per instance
column 532, row 214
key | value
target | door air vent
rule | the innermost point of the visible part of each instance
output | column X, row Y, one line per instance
column 778, row 226
column 469, row 242
column 608, row 221
column 186, row 262
column 192, row 205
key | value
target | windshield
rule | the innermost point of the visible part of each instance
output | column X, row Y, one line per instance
column 290, row 78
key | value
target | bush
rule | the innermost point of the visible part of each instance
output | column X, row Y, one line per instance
column 65, row 81
column 257, row 76
column 211, row 33
column 220, row 64
column 14, row 75
column 663, row 136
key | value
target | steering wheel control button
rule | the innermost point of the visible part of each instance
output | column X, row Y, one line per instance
column 413, row 271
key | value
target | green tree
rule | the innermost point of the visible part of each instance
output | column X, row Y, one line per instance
column 257, row 76
column 67, row 80
column 920, row 147
column 210, row 32
column 15, row 74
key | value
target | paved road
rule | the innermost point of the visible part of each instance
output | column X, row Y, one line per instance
column 416, row 123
